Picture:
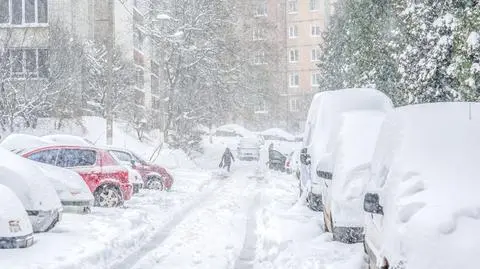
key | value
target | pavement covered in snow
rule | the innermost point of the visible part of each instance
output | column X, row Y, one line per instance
column 249, row 218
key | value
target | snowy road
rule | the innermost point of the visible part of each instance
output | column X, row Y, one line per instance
column 246, row 221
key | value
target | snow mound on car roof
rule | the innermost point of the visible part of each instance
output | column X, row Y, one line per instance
column 277, row 132
column 68, row 140
column 436, row 208
column 19, row 142
column 235, row 128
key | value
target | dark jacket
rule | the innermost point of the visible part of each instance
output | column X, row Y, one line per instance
column 227, row 158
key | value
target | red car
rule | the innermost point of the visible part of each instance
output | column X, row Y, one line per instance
column 154, row 176
column 106, row 178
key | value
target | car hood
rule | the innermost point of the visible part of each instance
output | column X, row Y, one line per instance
column 68, row 184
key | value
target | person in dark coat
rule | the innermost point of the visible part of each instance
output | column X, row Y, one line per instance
column 226, row 159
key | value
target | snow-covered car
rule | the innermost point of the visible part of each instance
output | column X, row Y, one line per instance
column 319, row 139
column 233, row 130
column 343, row 193
column 15, row 227
column 277, row 134
column 70, row 187
column 292, row 164
column 37, row 194
column 422, row 202
column 248, row 149
column 154, row 176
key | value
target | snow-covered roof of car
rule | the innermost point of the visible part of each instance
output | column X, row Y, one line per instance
column 20, row 142
column 277, row 132
column 327, row 107
column 434, row 151
column 235, row 128
column 68, row 140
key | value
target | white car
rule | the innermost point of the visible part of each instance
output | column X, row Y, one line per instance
column 322, row 121
column 15, row 227
column 343, row 193
column 422, row 202
column 37, row 194
column 69, row 185
column 248, row 149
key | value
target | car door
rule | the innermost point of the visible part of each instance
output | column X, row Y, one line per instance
column 82, row 161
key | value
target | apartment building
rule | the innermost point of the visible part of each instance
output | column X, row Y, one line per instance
column 25, row 36
column 306, row 21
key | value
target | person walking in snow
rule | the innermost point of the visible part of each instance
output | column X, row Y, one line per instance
column 226, row 159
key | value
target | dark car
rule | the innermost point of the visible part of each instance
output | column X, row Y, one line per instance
column 276, row 160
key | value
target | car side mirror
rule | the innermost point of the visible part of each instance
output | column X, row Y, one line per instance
column 324, row 168
column 371, row 204
column 134, row 164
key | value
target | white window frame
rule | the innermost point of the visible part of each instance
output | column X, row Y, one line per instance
column 294, row 105
column 23, row 23
column 259, row 58
column 293, row 55
column 314, row 77
column 292, row 6
column 24, row 74
column 315, row 30
column 314, row 5
column 315, row 55
column 293, row 31
column 294, row 80
column 261, row 9
column 258, row 34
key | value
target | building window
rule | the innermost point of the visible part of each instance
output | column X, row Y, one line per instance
column 293, row 31
column 293, row 55
column 28, row 63
column 315, row 79
column 292, row 6
column 23, row 11
column 314, row 5
column 316, row 53
column 316, row 30
column 294, row 105
column 259, row 58
column 258, row 34
column 261, row 9
column 139, row 98
column 294, row 80
column 138, row 39
column 139, row 78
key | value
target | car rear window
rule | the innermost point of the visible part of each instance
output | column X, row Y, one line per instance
column 121, row 156
column 45, row 156
column 76, row 158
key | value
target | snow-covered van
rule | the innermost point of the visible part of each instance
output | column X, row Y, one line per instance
column 37, row 194
column 422, row 201
column 343, row 193
column 15, row 227
column 70, row 187
column 318, row 141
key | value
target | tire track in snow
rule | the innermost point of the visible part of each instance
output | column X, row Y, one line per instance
column 160, row 236
column 248, row 253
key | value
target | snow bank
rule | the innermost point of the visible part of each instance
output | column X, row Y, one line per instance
column 235, row 129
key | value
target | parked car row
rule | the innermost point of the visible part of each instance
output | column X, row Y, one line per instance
column 400, row 180
column 55, row 173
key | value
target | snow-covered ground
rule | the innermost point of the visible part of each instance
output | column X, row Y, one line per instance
column 249, row 218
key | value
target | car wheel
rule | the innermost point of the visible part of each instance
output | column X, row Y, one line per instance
column 155, row 183
column 108, row 196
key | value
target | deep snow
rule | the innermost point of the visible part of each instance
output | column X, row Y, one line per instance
column 248, row 219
